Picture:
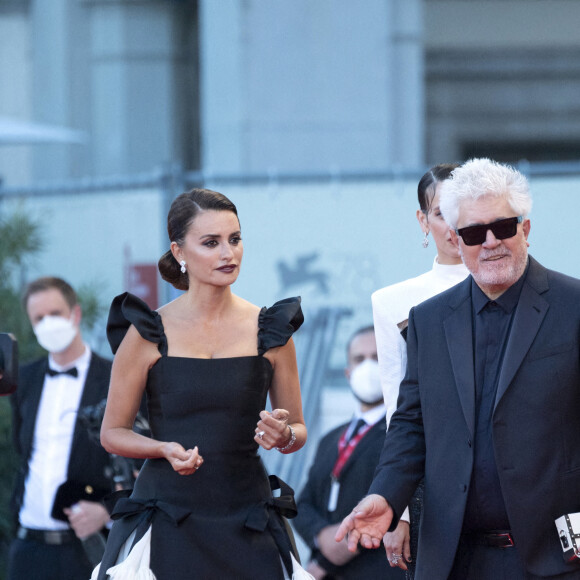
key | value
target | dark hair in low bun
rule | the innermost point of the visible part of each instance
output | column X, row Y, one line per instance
column 429, row 181
column 170, row 271
column 183, row 211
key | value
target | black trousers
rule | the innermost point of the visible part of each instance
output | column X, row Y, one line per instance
column 31, row 560
column 475, row 562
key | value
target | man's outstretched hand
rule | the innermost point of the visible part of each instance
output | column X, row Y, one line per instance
column 367, row 523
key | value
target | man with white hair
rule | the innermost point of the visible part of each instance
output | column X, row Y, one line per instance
column 489, row 409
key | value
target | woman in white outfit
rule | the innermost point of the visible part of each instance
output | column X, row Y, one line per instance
column 391, row 306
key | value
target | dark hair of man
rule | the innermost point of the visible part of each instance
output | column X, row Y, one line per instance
column 183, row 211
column 429, row 181
column 48, row 283
column 362, row 330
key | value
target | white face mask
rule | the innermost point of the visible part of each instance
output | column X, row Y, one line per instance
column 55, row 333
column 365, row 382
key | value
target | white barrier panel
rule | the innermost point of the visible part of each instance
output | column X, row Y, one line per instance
column 332, row 242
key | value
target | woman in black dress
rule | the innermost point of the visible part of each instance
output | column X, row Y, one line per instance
column 207, row 361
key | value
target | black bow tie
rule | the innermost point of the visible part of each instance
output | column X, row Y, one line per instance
column 73, row 372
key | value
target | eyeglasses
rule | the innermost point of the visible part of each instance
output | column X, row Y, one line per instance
column 501, row 229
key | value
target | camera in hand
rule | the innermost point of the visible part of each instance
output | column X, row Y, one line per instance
column 123, row 468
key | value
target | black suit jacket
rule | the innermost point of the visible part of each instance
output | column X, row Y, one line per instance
column 536, row 422
column 355, row 478
column 88, row 461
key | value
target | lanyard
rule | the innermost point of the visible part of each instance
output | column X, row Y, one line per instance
column 346, row 448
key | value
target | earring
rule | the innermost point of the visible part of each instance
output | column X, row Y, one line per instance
column 426, row 240
column 183, row 268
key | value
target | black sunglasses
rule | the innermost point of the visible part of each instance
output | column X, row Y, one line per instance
column 501, row 229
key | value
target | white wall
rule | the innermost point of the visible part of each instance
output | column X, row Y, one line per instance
column 308, row 85
column 365, row 235
column 15, row 83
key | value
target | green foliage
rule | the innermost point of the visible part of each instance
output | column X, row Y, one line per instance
column 7, row 471
column 92, row 308
column 20, row 241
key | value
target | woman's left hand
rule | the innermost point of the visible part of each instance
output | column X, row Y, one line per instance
column 397, row 545
column 272, row 429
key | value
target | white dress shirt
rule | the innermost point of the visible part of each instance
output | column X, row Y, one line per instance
column 370, row 417
column 53, row 435
column 391, row 306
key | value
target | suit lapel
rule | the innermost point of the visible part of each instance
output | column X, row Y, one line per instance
column 92, row 395
column 35, row 386
column 459, row 335
column 528, row 318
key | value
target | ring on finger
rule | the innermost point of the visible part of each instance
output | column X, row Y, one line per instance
column 260, row 434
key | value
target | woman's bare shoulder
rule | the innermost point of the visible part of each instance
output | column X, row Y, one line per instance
column 242, row 306
column 172, row 307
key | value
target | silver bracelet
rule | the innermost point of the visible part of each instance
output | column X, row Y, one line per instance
column 290, row 443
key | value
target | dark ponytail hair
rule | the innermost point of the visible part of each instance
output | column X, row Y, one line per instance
column 183, row 211
column 429, row 181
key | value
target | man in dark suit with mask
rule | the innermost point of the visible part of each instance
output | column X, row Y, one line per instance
column 342, row 471
column 489, row 409
column 63, row 473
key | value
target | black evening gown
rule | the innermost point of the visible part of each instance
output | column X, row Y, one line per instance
column 221, row 522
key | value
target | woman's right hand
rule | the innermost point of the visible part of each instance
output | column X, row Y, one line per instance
column 182, row 461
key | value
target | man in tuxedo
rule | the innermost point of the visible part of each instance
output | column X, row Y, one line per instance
column 342, row 470
column 489, row 409
column 63, row 473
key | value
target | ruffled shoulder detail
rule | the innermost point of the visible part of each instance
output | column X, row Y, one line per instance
column 278, row 323
column 127, row 309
